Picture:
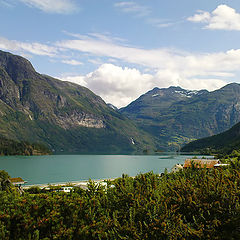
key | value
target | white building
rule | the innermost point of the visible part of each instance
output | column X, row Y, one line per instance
column 176, row 168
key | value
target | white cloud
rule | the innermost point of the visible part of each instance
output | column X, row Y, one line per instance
column 201, row 16
column 24, row 47
column 153, row 58
column 133, row 7
column 166, row 78
column 75, row 79
column 52, row 6
column 72, row 62
column 114, row 84
column 120, row 86
column 222, row 18
column 189, row 64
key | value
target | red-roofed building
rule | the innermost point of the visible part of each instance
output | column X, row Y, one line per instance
column 17, row 181
column 201, row 163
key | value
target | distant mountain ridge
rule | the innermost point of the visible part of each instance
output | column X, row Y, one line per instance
column 224, row 142
column 176, row 116
column 63, row 115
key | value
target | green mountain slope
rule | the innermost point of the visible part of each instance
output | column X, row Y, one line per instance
column 65, row 116
column 224, row 142
column 11, row 147
column 176, row 116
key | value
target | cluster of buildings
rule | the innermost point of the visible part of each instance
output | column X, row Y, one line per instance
column 198, row 163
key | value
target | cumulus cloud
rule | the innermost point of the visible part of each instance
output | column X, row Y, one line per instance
column 120, row 86
column 80, row 80
column 52, row 6
column 115, row 84
column 222, row 18
column 24, row 47
column 201, row 16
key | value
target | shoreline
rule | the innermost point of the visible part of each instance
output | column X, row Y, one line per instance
column 81, row 183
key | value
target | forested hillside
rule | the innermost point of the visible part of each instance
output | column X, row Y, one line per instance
column 11, row 147
column 223, row 143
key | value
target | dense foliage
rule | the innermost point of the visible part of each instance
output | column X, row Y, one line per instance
column 11, row 147
column 190, row 204
column 222, row 143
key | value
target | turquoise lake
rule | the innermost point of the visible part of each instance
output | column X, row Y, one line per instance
column 66, row 168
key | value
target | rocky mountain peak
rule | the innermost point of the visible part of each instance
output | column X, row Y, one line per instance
column 17, row 67
column 174, row 91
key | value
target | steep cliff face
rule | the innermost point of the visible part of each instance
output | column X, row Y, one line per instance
column 22, row 89
column 65, row 116
column 176, row 116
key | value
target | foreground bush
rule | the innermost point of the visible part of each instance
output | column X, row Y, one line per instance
column 191, row 204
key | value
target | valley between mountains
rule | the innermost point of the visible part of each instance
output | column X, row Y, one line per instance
column 68, row 118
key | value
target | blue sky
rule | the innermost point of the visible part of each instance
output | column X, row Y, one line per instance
column 122, row 49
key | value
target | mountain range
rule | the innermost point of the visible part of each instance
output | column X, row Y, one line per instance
column 175, row 116
column 69, row 118
column 66, row 117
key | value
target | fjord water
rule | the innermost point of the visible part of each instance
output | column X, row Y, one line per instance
column 66, row 168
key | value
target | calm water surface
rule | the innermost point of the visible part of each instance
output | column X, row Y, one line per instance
column 65, row 168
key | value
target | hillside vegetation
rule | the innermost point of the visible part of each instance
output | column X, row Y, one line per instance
column 222, row 143
column 11, row 147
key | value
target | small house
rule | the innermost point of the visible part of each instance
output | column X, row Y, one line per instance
column 201, row 163
column 18, row 182
column 176, row 168
column 221, row 165
column 67, row 189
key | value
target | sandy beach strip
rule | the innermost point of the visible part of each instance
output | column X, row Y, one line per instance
column 82, row 183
